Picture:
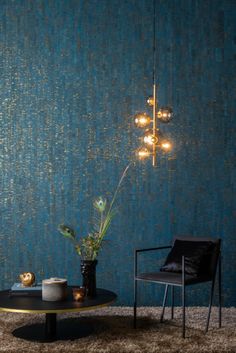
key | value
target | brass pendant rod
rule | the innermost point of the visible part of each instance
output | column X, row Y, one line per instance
column 154, row 84
column 154, row 44
column 154, row 126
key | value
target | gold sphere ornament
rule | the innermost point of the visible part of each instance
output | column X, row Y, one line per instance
column 142, row 119
column 27, row 279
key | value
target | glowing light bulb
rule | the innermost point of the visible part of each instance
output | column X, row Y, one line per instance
column 151, row 138
column 142, row 119
column 166, row 145
column 143, row 153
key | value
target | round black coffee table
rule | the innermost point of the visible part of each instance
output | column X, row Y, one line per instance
column 53, row 330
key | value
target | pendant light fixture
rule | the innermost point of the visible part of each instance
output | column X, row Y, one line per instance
column 153, row 138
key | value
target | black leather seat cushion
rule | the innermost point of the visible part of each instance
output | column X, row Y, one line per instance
column 171, row 278
column 197, row 255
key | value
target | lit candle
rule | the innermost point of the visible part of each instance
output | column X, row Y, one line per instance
column 78, row 294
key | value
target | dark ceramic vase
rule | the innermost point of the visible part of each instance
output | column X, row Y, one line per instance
column 88, row 270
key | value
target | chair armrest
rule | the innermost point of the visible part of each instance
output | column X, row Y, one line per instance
column 151, row 249
column 136, row 251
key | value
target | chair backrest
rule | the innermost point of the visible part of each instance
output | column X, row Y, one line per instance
column 214, row 254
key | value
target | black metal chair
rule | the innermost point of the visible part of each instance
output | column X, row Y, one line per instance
column 182, row 279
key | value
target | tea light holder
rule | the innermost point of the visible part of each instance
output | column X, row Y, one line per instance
column 78, row 294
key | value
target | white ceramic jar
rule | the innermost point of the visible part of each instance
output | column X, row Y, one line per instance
column 54, row 289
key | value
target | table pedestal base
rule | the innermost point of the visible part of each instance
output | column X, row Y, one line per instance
column 65, row 329
column 51, row 326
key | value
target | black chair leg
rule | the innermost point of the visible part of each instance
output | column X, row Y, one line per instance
column 210, row 304
column 172, row 301
column 135, row 303
column 183, row 308
column 183, row 295
column 164, row 303
column 219, row 283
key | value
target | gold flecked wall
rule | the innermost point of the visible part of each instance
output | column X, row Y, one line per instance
column 73, row 74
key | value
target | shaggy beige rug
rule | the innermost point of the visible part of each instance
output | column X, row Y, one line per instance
column 113, row 332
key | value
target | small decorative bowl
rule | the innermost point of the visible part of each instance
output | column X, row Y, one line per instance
column 78, row 293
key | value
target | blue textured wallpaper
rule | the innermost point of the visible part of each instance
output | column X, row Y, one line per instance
column 73, row 74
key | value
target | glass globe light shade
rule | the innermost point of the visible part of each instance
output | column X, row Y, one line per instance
column 143, row 153
column 165, row 114
column 142, row 119
column 150, row 101
column 165, row 145
column 151, row 139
